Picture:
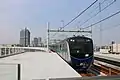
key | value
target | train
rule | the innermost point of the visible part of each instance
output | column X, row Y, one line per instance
column 77, row 51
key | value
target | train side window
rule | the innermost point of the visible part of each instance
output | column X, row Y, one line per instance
column 60, row 47
column 63, row 47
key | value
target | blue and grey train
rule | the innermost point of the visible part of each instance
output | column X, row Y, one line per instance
column 77, row 51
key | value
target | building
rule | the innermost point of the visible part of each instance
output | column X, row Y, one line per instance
column 40, row 41
column 25, row 37
column 35, row 42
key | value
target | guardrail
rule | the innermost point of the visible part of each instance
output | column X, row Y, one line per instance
column 9, row 51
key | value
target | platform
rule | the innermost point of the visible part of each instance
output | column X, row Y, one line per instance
column 41, row 65
column 112, row 57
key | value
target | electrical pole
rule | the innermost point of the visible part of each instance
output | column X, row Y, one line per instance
column 91, row 31
column 25, row 36
column 62, row 24
column 100, row 25
column 48, row 24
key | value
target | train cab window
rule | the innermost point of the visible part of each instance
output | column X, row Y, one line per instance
column 81, row 47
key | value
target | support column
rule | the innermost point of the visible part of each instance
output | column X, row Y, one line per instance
column 48, row 36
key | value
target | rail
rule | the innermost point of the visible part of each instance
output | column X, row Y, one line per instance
column 106, row 68
column 117, row 77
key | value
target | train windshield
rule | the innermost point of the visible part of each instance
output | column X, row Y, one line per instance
column 81, row 48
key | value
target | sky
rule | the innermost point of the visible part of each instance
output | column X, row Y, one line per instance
column 34, row 14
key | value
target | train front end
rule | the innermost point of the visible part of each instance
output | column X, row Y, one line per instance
column 81, row 52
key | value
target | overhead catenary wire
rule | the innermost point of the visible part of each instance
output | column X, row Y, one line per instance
column 98, row 6
column 118, row 25
column 102, row 20
column 100, row 10
column 77, row 16
column 97, row 13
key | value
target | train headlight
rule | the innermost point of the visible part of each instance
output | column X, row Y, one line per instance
column 81, row 64
column 78, row 51
column 72, row 40
column 86, row 55
column 88, row 40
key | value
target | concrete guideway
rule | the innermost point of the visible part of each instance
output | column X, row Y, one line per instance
column 41, row 65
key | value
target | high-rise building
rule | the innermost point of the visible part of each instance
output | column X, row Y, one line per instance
column 25, row 37
column 39, row 41
column 35, row 42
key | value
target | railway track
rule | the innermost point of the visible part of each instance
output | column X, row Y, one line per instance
column 100, row 70
column 107, row 70
column 89, row 73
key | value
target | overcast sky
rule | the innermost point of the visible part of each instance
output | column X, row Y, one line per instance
column 34, row 14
